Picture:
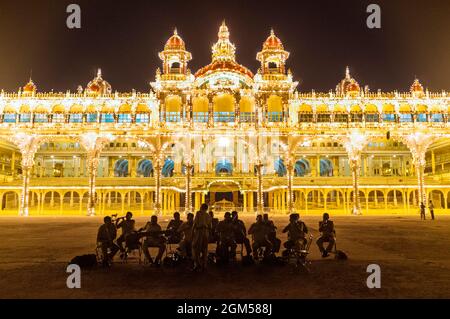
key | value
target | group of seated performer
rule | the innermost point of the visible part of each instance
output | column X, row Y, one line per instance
column 194, row 234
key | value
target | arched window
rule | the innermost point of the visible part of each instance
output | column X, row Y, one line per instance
column 280, row 168
column 145, row 168
column 326, row 167
column 121, row 168
column 302, row 167
column 167, row 170
column 224, row 166
column 272, row 67
column 175, row 68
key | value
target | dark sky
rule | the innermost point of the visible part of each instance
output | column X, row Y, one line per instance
column 124, row 37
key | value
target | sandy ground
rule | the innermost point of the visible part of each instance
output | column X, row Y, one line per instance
column 413, row 255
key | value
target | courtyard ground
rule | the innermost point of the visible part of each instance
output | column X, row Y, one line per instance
column 414, row 257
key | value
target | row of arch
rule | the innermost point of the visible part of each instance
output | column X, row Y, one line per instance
column 50, row 201
column 387, row 108
column 224, row 166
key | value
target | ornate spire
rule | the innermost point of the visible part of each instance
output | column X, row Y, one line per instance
column 223, row 49
column 347, row 73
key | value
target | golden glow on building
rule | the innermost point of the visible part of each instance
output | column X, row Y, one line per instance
column 226, row 136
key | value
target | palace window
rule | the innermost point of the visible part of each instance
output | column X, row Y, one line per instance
column 356, row 117
column 200, row 117
column 247, row 117
column 405, row 117
column 25, row 118
column 389, row 117
column 372, row 117
column 305, row 118
column 421, row 117
column 224, row 117
column 142, row 118
column 107, row 118
column 91, row 118
column 341, row 118
column 58, row 118
column 275, row 116
column 9, row 118
column 172, row 116
column 76, row 118
column 436, row 117
column 40, row 118
column 124, row 118
column 323, row 117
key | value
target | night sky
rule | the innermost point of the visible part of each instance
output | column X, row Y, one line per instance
column 124, row 38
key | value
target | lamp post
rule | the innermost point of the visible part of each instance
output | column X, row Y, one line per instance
column 260, row 197
column 354, row 144
column 418, row 144
column 290, row 175
column 93, row 143
column 28, row 146
column 157, row 204
column 188, row 197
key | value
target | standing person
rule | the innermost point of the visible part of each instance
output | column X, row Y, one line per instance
column 200, row 235
column 127, row 225
column 431, row 207
column 422, row 211
column 326, row 227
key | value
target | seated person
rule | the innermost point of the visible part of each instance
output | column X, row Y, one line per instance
column 186, row 232
column 297, row 231
column 174, row 237
column 225, row 230
column 240, row 232
column 127, row 225
column 154, row 238
column 326, row 227
column 213, row 237
column 272, row 229
column 260, row 233
column 105, row 238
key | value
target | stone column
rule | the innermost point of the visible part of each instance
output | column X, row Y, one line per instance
column 290, row 195
column 260, row 198
column 188, row 197
column 355, row 167
column 157, row 174
column 25, row 195
column 92, row 163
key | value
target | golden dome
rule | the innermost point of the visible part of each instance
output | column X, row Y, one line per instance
column 416, row 87
column 273, row 42
column 98, row 85
column 223, row 57
column 348, row 84
column 175, row 42
column 29, row 88
column 224, row 66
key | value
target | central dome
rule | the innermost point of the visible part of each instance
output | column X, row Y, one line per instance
column 223, row 58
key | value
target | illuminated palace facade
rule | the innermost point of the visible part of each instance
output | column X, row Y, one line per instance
column 224, row 136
